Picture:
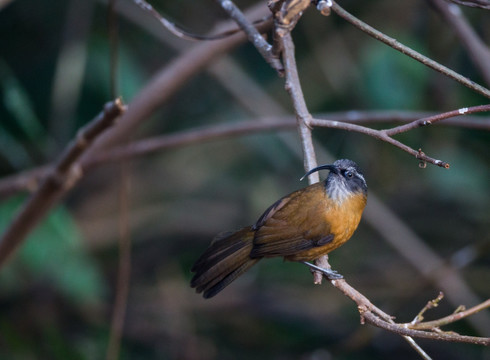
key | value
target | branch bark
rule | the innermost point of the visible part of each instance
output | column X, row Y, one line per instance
column 59, row 180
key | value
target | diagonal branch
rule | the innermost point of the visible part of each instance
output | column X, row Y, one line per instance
column 262, row 46
column 378, row 35
column 58, row 181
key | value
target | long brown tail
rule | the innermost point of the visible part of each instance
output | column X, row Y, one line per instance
column 227, row 258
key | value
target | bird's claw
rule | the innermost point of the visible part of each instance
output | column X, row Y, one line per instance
column 329, row 273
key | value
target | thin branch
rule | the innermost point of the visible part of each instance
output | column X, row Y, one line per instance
column 303, row 116
column 380, row 135
column 262, row 46
column 436, row 118
column 373, row 315
column 427, row 325
column 29, row 180
column 184, row 34
column 64, row 174
column 378, row 35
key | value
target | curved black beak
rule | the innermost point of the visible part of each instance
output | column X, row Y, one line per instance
column 318, row 168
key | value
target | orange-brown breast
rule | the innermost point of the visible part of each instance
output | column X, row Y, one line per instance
column 307, row 224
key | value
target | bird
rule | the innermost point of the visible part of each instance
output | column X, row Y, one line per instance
column 301, row 226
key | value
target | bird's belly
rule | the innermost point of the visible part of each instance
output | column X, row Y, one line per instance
column 343, row 221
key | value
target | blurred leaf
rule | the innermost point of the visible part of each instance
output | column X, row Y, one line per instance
column 392, row 80
column 13, row 151
column 466, row 180
column 130, row 75
column 54, row 253
column 17, row 102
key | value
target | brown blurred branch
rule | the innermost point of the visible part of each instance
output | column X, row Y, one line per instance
column 29, row 180
column 478, row 51
column 180, row 32
column 57, row 181
column 172, row 77
column 378, row 35
column 482, row 4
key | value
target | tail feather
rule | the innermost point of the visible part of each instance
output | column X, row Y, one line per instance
column 226, row 259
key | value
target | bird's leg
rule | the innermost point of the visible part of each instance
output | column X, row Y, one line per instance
column 329, row 273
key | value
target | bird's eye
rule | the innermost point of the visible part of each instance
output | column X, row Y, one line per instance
column 349, row 174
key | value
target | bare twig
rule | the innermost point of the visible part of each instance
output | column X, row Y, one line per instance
column 179, row 31
column 64, row 174
column 430, row 120
column 427, row 325
column 262, row 46
column 430, row 305
column 380, row 135
column 408, row 51
column 372, row 315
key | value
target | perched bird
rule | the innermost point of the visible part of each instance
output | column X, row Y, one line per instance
column 301, row 226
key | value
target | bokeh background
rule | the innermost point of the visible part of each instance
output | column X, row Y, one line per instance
column 57, row 293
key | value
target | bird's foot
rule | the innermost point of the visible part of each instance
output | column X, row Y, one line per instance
column 329, row 273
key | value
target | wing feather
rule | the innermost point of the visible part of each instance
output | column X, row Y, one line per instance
column 287, row 230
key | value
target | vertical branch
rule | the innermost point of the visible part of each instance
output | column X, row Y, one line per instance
column 303, row 116
column 113, row 43
column 124, row 270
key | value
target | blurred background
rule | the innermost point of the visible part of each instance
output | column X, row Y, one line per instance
column 425, row 229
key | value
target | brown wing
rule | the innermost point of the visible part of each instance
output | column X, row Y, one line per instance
column 293, row 224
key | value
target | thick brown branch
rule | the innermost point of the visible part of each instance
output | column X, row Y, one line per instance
column 60, row 178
